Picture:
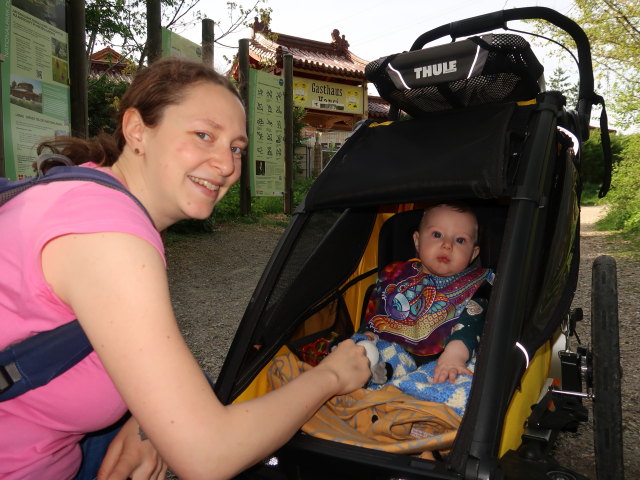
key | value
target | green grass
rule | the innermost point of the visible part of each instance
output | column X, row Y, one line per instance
column 627, row 243
column 264, row 211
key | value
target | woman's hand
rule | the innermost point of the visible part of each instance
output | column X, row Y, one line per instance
column 349, row 363
column 132, row 455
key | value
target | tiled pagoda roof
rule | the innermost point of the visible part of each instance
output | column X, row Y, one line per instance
column 322, row 58
column 378, row 107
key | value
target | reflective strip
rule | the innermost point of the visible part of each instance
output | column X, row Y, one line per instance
column 399, row 76
column 526, row 354
column 475, row 60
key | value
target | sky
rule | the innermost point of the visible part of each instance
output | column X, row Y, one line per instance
column 377, row 28
column 373, row 28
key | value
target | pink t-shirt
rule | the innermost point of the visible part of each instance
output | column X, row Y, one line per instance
column 40, row 430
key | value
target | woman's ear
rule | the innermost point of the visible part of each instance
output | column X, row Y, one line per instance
column 133, row 128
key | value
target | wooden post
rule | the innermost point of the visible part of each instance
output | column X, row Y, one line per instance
column 288, row 133
column 78, row 69
column 154, row 30
column 317, row 157
column 207, row 41
column 243, row 71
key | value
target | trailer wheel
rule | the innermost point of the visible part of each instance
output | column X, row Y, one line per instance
column 606, row 370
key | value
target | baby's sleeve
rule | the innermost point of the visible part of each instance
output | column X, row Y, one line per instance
column 468, row 327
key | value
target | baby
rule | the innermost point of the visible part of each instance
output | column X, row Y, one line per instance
column 427, row 305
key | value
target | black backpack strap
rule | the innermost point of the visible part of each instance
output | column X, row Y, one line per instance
column 35, row 361
column 68, row 173
column 65, row 173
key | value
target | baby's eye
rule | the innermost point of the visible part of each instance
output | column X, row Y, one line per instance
column 460, row 240
column 203, row 136
column 436, row 235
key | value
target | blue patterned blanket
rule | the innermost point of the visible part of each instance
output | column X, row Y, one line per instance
column 418, row 381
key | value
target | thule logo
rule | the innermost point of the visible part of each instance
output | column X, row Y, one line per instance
column 436, row 69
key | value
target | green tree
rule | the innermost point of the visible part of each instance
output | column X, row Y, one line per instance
column 104, row 97
column 121, row 24
column 613, row 29
column 592, row 157
column 560, row 81
column 624, row 196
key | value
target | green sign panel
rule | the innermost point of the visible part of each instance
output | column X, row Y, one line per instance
column 35, row 81
column 266, row 134
column 173, row 45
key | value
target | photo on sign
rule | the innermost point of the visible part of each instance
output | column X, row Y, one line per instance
column 26, row 93
column 50, row 11
column 59, row 49
column 60, row 71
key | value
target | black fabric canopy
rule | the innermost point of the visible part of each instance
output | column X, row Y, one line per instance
column 462, row 154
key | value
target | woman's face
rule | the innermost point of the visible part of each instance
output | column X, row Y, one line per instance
column 193, row 155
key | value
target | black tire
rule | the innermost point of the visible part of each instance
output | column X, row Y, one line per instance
column 606, row 370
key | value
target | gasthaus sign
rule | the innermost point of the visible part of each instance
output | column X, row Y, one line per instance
column 320, row 95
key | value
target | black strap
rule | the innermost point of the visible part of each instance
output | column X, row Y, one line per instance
column 606, row 146
column 37, row 360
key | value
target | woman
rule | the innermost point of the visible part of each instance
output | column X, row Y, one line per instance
column 87, row 252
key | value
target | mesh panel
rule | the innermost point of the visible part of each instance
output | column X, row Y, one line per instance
column 306, row 244
column 510, row 73
column 326, row 252
column 9, row 194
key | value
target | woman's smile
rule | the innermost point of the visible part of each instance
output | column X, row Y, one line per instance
column 205, row 183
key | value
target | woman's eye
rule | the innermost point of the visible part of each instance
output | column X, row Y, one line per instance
column 203, row 135
column 236, row 150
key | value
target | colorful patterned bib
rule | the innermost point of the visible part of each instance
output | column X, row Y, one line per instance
column 418, row 310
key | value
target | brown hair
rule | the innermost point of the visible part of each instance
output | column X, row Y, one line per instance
column 458, row 207
column 153, row 89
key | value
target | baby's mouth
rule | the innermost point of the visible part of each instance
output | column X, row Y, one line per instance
column 443, row 259
column 206, row 184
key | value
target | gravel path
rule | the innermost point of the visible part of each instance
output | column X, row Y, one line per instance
column 576, row 450
column 212, row 277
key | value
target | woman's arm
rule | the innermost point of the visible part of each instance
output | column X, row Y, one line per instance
column 117, row 286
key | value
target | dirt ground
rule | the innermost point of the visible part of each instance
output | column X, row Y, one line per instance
column 212, row 278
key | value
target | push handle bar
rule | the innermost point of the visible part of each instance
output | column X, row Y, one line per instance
column 499, row 19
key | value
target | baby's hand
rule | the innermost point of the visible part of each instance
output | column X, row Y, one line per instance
column 449, row 372
column 452, row 362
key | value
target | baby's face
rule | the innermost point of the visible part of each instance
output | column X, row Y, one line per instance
column 446, row 241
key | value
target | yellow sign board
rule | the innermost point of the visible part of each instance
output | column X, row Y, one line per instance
column 320, row 95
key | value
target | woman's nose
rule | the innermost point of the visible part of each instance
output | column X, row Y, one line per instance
column 223, row 161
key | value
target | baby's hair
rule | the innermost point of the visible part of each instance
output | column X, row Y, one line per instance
column 454, row 205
